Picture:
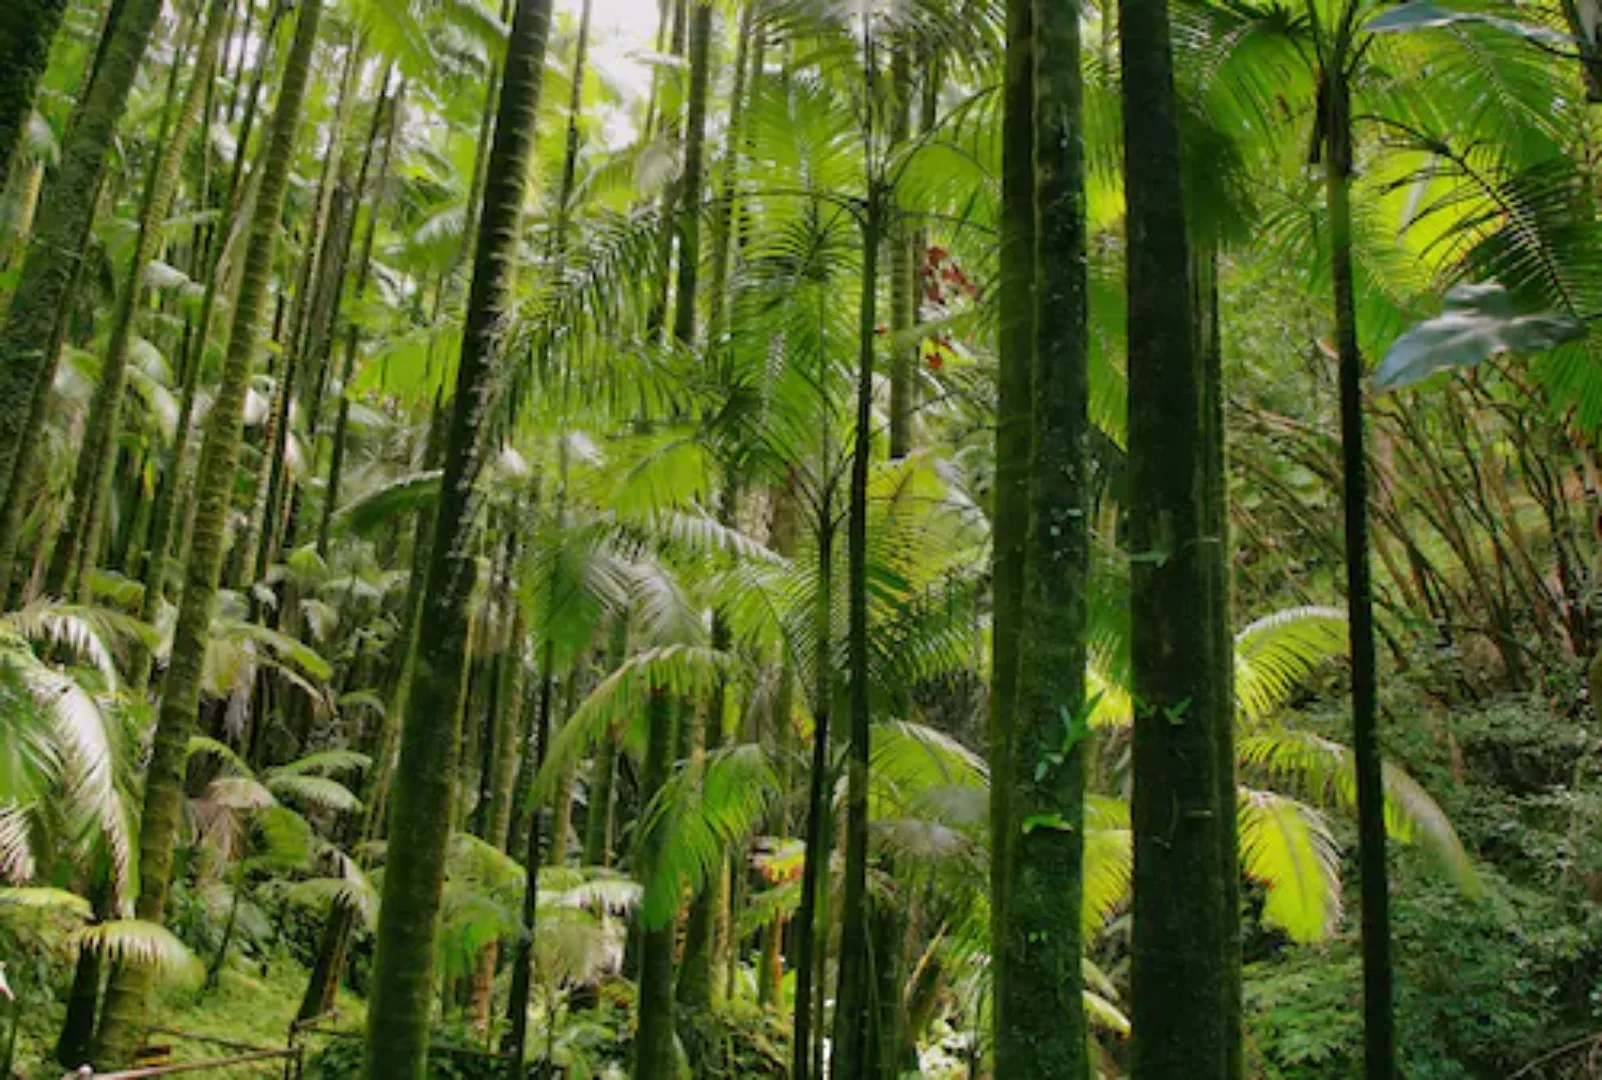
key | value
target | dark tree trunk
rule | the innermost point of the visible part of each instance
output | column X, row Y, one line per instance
column 1012, row 490
column 1379, row 1026
column 27, row 27
column 1040, row 1028
column 1181, row 986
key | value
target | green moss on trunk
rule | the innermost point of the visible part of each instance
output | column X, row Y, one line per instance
column 128, row 996
column 27, row 27
column 30, row 339
column 1040, row 1030
column 1180, row 984
column 403, row 977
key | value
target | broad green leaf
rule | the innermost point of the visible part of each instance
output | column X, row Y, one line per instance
column 1427, row 15
column 1479, row 322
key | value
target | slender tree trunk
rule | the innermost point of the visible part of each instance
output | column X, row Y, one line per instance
column 1181, row 990
column 391, row 106
column 903, row 293
column 1013, row 447
column 1040, row 1028
column 849, row 1059
column 1221, row 651
column 257, row 544
column 30, row 339
column 403, row 976
column 655, row 1051
column 815, row 869
column 598, row 820
column 518, row 998
column 171, row 513
column 694, row 988
column 27, row 27
column 1379, row 1027
column 128, row 996
column 77, row 544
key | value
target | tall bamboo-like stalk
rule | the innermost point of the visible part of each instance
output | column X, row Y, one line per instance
column 1379, row 1025
column 403, row 977
column 694, row 978
column 30, row 340
column 128, row 996
column 80, row 540
column 849, row 1059
column 387, row 117
column 1181, row 985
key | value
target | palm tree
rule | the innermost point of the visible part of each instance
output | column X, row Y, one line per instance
column 1038, row 935
column 30, row 340
column 1181, row 978
column 398, row 1019
column 127, row 995
column 78, row 542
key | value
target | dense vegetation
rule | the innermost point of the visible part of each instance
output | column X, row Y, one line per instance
column 956, row 538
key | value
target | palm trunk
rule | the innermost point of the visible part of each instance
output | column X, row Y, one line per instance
column 74, row 1047
column 850, row 1059
column 30, row 341
column 903, row 302
column 257, row 544
column 598, row 816
column 398, row 1016
column 1181, row 987
column 694, row 987
column 78, row 543
column 815, row 868
column 1012, row 495
column 128, row 997
column 170, row 515
column 1379, row 1027
column 1217, row 553
column 364, row 270
column 655, row 1053
column 1040, row 1029
column 27, row 27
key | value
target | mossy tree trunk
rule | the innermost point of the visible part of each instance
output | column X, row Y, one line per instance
column 27, row 28
column 1040, row 1016
column 128, row 996
column 30, row 340
column 1013, row 446
column 1181, row 984
column 80, row 540
column 403, row 976
column 603, row 774
column 655, row 1048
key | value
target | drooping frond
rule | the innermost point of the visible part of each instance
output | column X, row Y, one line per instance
column 1276, row 654
column 1323, row 769
column 143, row 944
column 1286, row 845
